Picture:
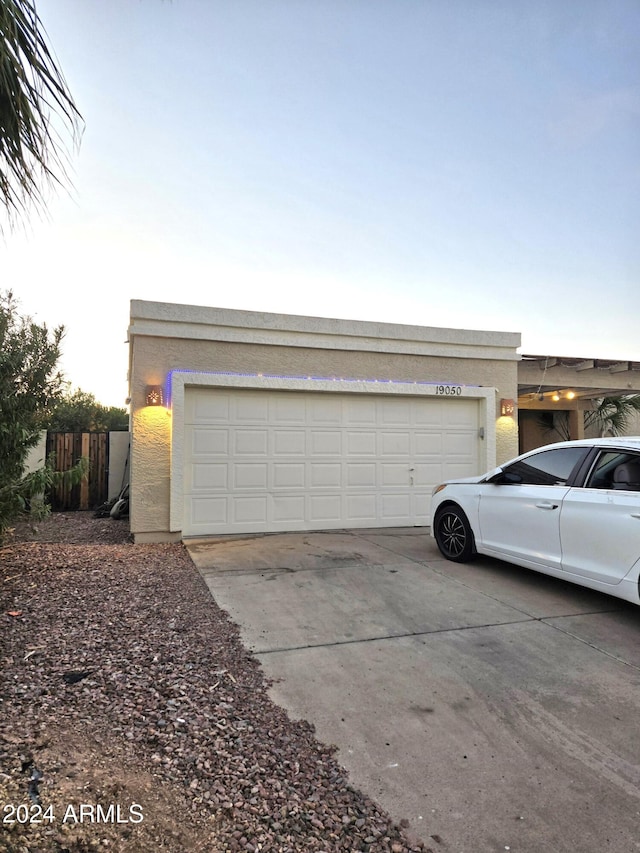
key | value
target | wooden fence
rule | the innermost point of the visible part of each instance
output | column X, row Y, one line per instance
column 68, row 448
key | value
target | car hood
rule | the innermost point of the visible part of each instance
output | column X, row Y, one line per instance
column 479, row 479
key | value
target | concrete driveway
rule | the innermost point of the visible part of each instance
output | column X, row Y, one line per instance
column 489, row 707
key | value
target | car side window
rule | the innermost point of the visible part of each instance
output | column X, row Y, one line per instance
column 549, row 467
column 615, row 469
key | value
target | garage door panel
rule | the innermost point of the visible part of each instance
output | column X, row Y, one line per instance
column 325, row 475
column 428, row 443
column 289, row 476
column 395, row 413
column 362, row 507
column 459, row 445
column 459, row 414
column 250, row 475
column 289, row 442
column 251, row 442
column 395, row 507
column 361, row 443
column 289, row 410
column 361, row 474
column 455, row 470
column 327, row 509
column 323, row 409
column 395, row 474
column 257, row 461
column 210, row 442
column 288, row 509
column 422, row 506
column 395, row 443
column 430, row 417
column 204, row 408
column 250, row 408
column 208, row 477
column 250, row 510
column 360, row 411
column 429, row 474
column 325, row 442
column 208, row 511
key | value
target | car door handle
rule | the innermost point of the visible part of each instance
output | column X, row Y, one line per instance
column 635, row 515
column 546, row 505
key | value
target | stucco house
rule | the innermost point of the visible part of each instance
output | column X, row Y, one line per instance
column 255, row 422
column 249, row 422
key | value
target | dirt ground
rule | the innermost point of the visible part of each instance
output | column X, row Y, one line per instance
column 133, row 719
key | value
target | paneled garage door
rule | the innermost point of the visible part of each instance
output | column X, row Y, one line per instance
column 258, row 461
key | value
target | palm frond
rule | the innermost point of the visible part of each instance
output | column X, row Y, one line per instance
column 34, row 101
column 613, row 414
column 555, row 425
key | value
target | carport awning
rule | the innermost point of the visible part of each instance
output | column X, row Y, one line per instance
column 574, row 379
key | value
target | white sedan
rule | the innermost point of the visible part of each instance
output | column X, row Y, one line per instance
column 571, row 510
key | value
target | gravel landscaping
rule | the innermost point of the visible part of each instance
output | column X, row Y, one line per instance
column 133, row 719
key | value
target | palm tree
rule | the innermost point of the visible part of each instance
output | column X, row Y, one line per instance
column 36, row 110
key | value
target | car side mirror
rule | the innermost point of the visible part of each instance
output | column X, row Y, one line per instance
column 505, row 478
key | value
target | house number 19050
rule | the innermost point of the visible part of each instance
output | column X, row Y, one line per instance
column 449, row 390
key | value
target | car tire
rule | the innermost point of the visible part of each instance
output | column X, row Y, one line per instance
column 453, row 534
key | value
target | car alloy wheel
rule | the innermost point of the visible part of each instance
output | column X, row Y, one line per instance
column 454, row 535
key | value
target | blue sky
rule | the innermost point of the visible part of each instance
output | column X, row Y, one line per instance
column 461, row 163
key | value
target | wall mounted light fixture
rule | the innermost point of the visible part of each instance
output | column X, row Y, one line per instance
column 154, row 395
column 507, row 408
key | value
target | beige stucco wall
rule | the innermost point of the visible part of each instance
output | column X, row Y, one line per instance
column 118, row 462
column 634, row 425
column 165, row 338
column 36, row 455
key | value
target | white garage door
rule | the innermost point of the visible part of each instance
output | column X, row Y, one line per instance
column 258, row 461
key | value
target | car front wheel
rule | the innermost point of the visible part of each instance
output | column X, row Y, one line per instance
column 453, row 534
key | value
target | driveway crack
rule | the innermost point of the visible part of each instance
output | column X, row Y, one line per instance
column 587, row 642
column 381, row 637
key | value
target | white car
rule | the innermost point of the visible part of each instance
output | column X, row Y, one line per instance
column 571, row 510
